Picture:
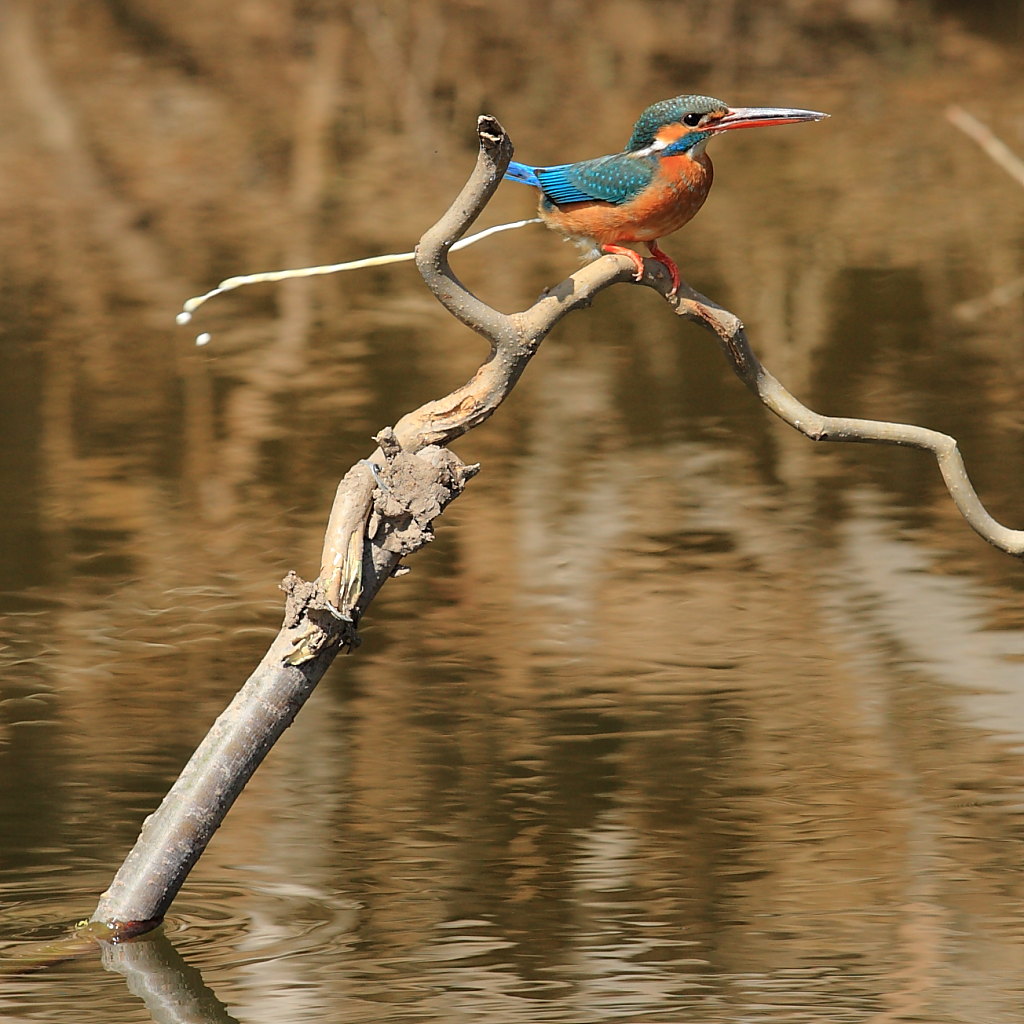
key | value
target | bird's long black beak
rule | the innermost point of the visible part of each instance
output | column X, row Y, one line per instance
column 754, row 117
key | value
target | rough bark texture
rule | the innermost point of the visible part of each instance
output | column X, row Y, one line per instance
column 383, row 511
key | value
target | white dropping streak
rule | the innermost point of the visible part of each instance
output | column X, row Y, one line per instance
column 230, row 283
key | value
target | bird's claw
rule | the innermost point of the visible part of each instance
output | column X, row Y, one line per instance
column 669, row 264
column 634, row 257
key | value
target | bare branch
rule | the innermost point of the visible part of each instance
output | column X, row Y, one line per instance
column 383, row 511
column 514, row 339
column 733, row 340
column 432, row 251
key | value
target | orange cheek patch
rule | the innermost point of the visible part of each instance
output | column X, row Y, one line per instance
column 671, row 132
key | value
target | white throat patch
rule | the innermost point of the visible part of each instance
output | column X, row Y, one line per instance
column 655, row 147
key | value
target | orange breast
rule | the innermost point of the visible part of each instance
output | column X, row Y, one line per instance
column 675, row 195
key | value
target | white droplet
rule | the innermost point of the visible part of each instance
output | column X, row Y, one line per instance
column 183, row 318
column 204, row 338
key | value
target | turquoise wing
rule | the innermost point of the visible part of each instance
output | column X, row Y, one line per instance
column 613, row 179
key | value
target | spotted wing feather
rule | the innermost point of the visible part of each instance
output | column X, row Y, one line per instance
column 613, row 179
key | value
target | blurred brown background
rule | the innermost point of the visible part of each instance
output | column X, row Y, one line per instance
column 681, row 714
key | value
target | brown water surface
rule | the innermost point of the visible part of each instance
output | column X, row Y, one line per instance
column 682, row 718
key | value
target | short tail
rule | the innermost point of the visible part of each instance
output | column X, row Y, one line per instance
column 521, row 172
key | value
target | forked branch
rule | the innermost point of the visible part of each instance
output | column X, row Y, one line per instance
column 382, row 512
column 384, row 509
column 515, row 338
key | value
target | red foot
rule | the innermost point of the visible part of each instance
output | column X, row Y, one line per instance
column 666, row 261
column 621, row 250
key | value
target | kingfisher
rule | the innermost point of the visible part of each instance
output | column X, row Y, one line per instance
column 654, row 186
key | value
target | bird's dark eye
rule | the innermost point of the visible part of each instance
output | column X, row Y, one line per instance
column 692, row 120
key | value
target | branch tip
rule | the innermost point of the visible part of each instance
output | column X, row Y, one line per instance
column 490, row 131
column 813, row 425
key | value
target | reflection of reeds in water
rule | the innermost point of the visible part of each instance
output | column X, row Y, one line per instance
column 290, row 140
column 303, row 141
column 534, row 757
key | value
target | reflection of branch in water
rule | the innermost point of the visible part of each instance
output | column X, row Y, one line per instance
column 174, row 991
column 384, row 509
column 1001, row 154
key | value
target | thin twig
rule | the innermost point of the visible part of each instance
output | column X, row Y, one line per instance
column 998, row 150
column 733, row 340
